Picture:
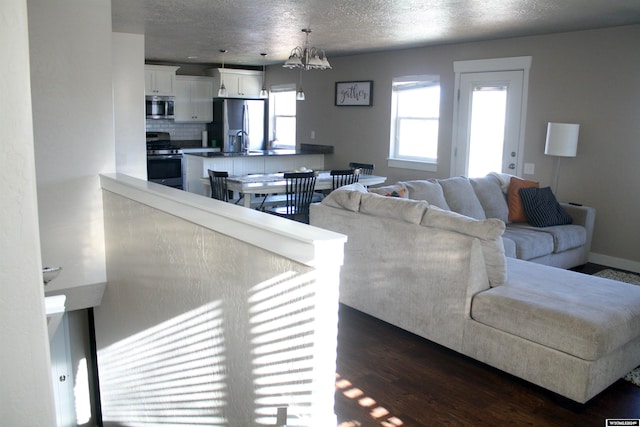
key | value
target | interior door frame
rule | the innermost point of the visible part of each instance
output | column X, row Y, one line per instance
column 520, row 63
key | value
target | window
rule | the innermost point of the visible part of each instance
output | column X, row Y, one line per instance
column 415, row 118
column 282, row 109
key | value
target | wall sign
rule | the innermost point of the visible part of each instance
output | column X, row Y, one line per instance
column 354, row 93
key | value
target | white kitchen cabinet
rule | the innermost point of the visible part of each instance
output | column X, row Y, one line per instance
column 194, row 99
column 159, row 80
column 239, row 83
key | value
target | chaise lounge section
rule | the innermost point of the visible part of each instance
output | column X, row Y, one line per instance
column 444, row 276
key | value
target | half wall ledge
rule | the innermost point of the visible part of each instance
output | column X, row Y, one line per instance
column 308, row 245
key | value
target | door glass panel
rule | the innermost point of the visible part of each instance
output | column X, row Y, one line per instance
column 487, row 130
column 488, row 126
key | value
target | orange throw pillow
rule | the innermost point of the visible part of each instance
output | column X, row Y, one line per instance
column 516, row 211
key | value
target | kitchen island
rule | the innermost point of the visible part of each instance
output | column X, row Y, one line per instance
column 196, row 165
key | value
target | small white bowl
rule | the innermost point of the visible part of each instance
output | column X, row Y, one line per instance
column 50, row 273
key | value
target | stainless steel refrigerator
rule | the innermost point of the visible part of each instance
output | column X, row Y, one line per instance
column 239, row 124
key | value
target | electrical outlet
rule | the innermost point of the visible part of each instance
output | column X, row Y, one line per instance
column 313, row 134
column 529, row 168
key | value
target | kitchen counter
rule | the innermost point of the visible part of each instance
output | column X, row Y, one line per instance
column 276, row 152
column 195, row 150
column 303, row 150
column 196, row 165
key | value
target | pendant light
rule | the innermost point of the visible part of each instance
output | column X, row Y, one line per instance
column 223, row 90
column 300, row 92
column 264, row 93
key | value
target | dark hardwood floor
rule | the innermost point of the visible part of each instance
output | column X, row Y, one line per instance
column 389, row 377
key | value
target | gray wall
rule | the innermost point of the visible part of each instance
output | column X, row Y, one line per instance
column 587, row 77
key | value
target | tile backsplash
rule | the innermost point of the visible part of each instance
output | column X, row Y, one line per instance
column 178, row 131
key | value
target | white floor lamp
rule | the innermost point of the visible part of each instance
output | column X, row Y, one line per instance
column 562, row 141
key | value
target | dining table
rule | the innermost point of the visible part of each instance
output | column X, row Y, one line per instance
column 274, row 183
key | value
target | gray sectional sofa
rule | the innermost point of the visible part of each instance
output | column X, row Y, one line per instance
column 494, row 196
column 444, row 276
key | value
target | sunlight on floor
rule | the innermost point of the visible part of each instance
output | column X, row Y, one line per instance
column 377, row 412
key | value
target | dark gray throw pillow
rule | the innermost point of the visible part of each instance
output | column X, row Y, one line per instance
column 541, row 207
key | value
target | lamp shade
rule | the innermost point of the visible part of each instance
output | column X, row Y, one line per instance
column 562, row 139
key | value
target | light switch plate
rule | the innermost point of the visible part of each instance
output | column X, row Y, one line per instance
column 529, row 168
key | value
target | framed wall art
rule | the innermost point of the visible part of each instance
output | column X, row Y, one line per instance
column 358, row 93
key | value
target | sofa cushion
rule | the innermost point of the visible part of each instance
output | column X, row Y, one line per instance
column 493, row 201
column 516, row 211
column 584, row 316
column 461, row 198
column 346, row 197
column 529, row 243
column 504, row 179
column 396, row 190
column 565, row 237
column 487, row 229
column 428, row 190
column 509, row 247
column 398, row 208
column 489, row 232
column 541, row 207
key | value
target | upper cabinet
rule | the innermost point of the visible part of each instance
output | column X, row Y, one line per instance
column 159, row 80
column 194, row 99
column 239, row 83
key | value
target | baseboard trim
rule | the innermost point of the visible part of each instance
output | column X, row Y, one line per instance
column 609, row 261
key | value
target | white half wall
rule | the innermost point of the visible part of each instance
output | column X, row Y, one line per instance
column 26, row 396
column 232, row 310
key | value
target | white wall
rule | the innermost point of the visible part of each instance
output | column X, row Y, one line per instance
column 70, row 49
column 26, row 396
column 129, row 108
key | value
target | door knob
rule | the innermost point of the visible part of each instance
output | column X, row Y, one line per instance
column 512, row 165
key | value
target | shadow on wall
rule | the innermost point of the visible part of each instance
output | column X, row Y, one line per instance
column 179, row 371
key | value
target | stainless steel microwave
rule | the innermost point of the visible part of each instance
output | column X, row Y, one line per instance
column 160, row 107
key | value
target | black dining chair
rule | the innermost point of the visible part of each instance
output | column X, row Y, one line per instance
column 344, row 177
column 365, row 168
column 300, row 187
column 219, row 189
column 218, row 180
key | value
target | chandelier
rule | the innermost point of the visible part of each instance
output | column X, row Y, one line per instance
column 307, row 58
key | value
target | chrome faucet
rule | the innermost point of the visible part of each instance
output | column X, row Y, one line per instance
column 244, row 137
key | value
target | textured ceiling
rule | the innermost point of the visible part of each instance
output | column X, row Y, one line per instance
column 178, row 29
